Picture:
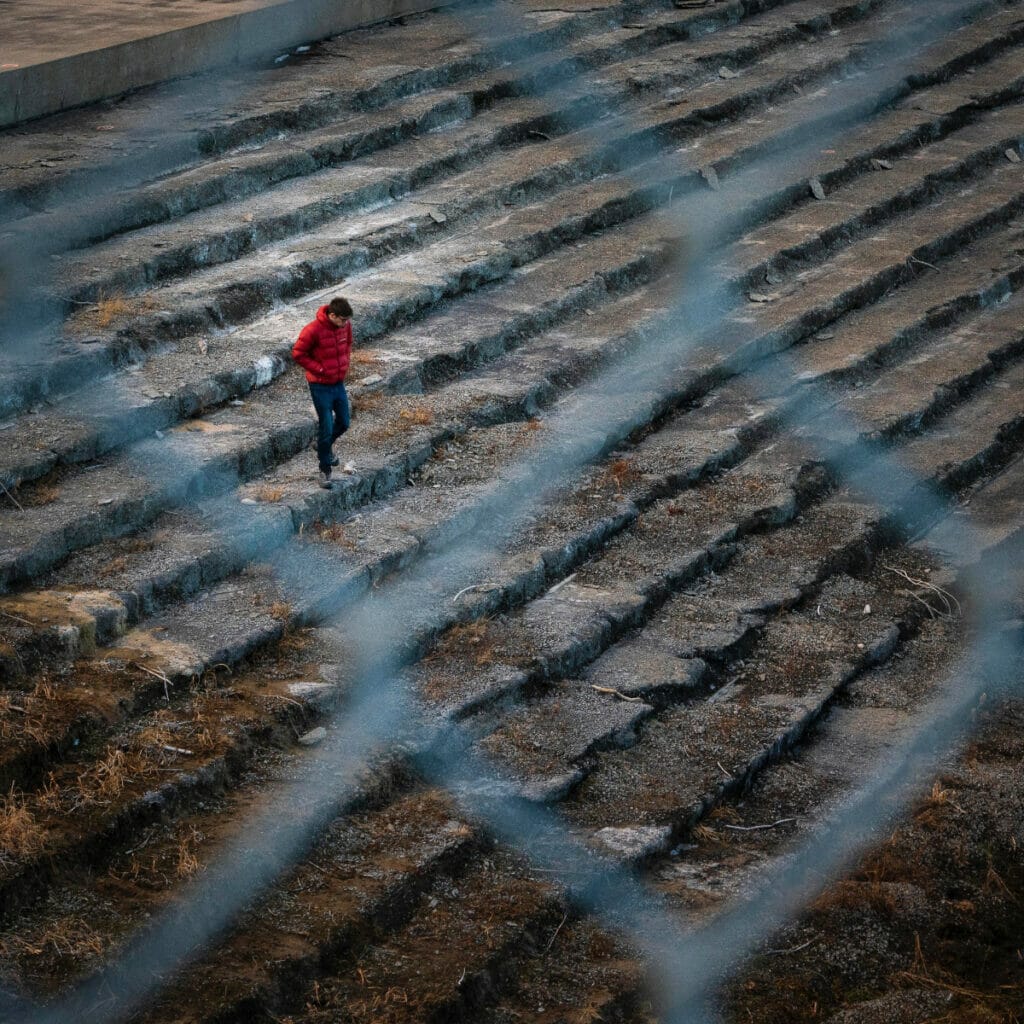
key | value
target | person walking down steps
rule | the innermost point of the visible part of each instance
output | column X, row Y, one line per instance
column 323, row 350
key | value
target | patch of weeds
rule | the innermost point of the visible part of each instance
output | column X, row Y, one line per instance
column 282, row 611
column 368, row 401
column 113, row 567
column 393, row 426
column 187, row 861
column 109, row 777
column 469, row 640
column 71, row 938
column 417, row 416
column 20, row 834
column 619, row 475
column 268, row 493
column 37, row 494
column 111, row 307
column 334, row 533
column 366, row 358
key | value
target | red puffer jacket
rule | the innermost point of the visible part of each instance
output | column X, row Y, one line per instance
column 324, row 350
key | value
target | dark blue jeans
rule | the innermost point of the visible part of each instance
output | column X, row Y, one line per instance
column 333, row 417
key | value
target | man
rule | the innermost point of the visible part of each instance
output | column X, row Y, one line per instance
column 323, row 350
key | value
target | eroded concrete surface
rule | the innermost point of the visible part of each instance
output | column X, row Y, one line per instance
column 696, row 646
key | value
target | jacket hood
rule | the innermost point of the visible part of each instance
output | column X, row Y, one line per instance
column 321, row 315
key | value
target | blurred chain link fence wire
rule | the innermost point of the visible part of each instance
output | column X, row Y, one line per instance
column 381, row 719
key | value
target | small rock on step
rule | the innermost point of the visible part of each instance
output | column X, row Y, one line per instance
column 634, row 843
column 313, row 737
column 317, row 695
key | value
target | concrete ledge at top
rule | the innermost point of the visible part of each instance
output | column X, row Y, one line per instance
column 49, row 86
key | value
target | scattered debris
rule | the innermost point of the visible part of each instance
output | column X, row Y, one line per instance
column 817, row 189
column 727, row 73
column 881, row 165
column 1013, row 156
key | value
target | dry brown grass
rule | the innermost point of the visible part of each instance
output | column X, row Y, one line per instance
column 37, row 494
column 187, row 861
column 71, row 938
column 114, row 566
column 366, row 358
column 268, row 493
column 334, row 533
column 417, row 416
column 534, row 424
column 393, row 426
column 368, row 401
column 20, row 834
column 282, row 611
column 113, row 307
column 856, row 896
column 109, row 777
column 934, row 809
column 470, row 640
column 620, row 474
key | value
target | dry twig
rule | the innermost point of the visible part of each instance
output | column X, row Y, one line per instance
column 758, row 828
column 157, row 675
column 948, row 599
column 21, row 508
column 615, row 693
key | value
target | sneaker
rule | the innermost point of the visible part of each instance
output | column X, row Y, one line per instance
column 325, row 479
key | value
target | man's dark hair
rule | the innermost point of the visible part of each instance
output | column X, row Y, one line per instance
column 339, row 307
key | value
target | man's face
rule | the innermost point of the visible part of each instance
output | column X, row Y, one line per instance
column 338, row 321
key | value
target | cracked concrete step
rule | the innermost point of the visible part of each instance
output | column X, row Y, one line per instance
column 641, row 801
column 304, row 153
column 916, row 237
column 117, row 566
column 575, row 606
column 352, row 72
column 722, row 618
column 75, row 365
column 787, row 646
column 732, row 853
column 188, row 400
column 33, row 450
column 224, row 234
column 201, row 562
column 986, row 530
